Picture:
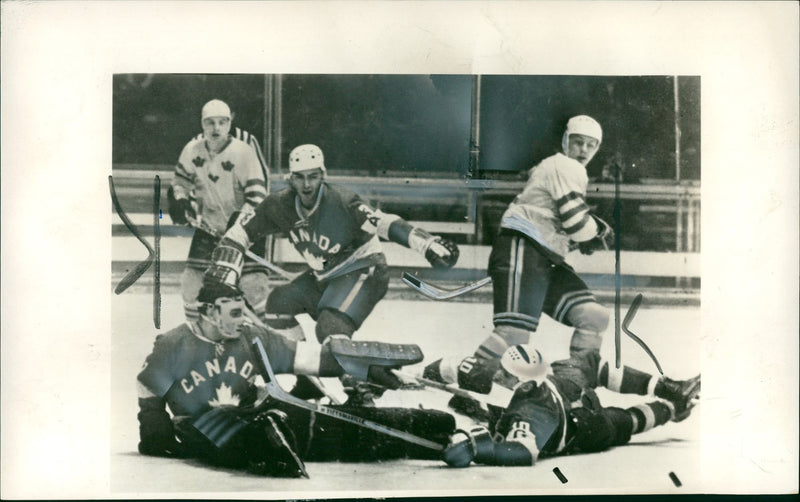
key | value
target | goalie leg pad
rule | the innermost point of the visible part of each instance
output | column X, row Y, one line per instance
column 335, row 440
column 356, row 358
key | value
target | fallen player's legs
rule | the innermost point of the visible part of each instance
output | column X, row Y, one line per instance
column 597, row 430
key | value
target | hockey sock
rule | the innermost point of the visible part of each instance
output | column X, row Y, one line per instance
column 626, row 380
column 649, row 415
column 502, row 337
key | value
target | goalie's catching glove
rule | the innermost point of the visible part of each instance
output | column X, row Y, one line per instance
column 442, row 253
column 180, row 210
column 603, row 240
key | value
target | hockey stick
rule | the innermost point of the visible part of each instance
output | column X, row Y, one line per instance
column 275, row 391
column 201, row 225
column 637, row 300
column 500, row 396
column 314, row 380
column 438, row 293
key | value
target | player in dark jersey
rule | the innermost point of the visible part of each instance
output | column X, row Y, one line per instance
column 198, row 393
column 555, row 410
column 338, row 235
column 218, row 177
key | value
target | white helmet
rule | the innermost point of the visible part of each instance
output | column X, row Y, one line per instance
column 215, row 108
column 525, row 362
column 305, row 158
column 582, row 124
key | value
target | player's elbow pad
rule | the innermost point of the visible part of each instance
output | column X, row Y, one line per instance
column 587, row 232
column 511, row 453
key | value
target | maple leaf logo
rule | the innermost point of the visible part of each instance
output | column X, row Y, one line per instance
column 314, row 261
column 227, row 165
column 198, row 161
column 224, row 397
column 212, row 177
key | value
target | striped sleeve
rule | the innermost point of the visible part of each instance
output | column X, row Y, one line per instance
column 568, row 187
column 252, row 142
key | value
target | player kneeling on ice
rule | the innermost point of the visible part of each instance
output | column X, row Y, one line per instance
column 198, row 395
column 338, row 234
column 555, row 411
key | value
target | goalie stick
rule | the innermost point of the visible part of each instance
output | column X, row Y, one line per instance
column 314, row 380
column 276, row 392
column 637, row 300
column 201, row 225
column 438, row 293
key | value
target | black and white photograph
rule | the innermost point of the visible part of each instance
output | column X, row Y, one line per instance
column 301, row 261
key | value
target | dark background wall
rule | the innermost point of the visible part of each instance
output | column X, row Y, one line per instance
column 414, row 125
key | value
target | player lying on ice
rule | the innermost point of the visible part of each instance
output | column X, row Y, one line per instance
column 338, row 234
column 197, row 392
column 555, row 410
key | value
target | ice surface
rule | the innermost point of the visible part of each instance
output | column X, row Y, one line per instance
column 440, row 329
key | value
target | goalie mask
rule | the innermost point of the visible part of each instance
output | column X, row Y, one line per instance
column 223, row 306
column 221, row 301
column 525, row 363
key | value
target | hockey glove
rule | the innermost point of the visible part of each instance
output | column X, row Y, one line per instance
column 156, row 432
column 180, row 210
column 477, row 375
column 383, row 376
column 442, row 253
column 468, row 446
column 603, row 240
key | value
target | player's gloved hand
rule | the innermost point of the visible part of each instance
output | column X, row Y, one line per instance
column 603, row 240
column 163, row 447
column 442, row 253
column 240, row 216
column 180, row 210
column 477, row 375
column 383, row 376
column 468, row 446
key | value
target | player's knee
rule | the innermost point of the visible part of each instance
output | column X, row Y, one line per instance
column 332, row 322
column 255, row 287
column 590, row 316
column 282, row 301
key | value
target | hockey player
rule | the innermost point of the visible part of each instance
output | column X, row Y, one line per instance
column 218, row 178
column 337, row 234
column 527, row 263
column 204, row 373
column 555, row 410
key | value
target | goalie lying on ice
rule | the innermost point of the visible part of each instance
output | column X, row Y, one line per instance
column 197, row 396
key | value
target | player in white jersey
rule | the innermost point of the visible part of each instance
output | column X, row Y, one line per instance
column 527, row 263
column 218, row 178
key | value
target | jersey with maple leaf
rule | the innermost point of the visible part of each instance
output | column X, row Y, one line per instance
column 338, row 235
column 193, row 374
column 552, row 208
column 221, row 183
column 251, row 140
